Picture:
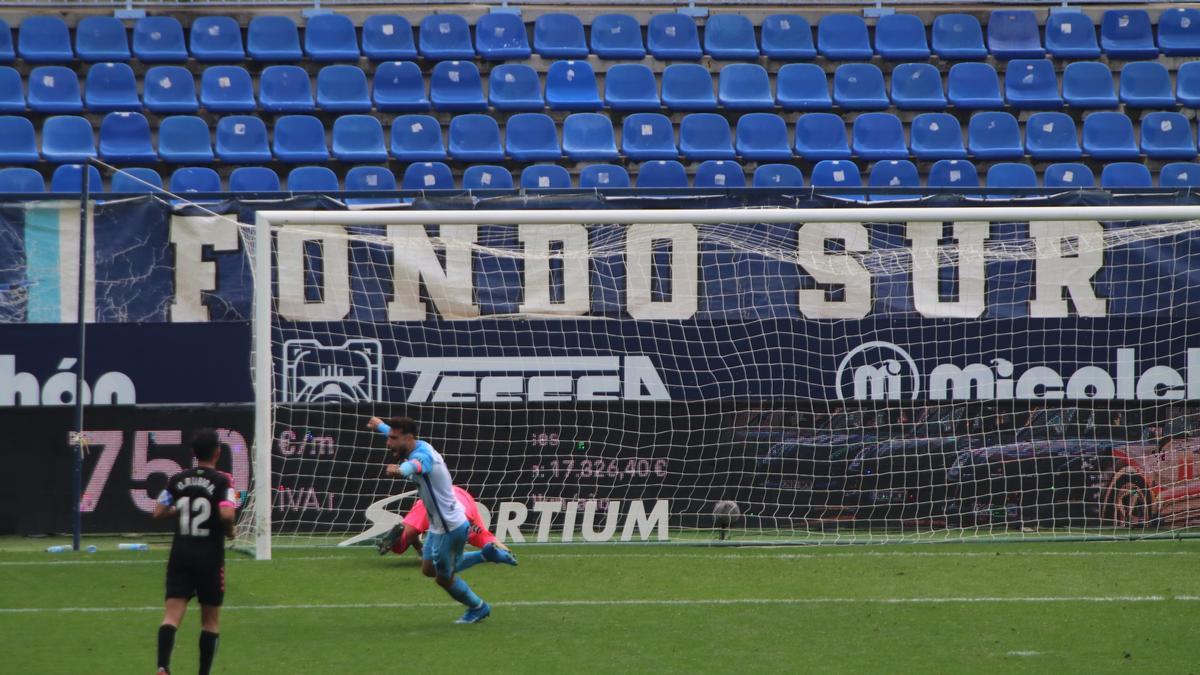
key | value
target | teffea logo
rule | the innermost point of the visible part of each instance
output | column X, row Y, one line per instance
column 877, row 371
column 549, row 378
column 351, row 372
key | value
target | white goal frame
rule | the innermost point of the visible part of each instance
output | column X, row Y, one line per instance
column 263, row 368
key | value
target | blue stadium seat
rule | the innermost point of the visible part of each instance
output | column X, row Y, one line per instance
column 227, row 89
column 1146, row 84
column 417, row 138
column 370, row 179
column 1125, row 175
column 21, row 180
column 843, row 37
column 388, row 37
column 242, row 139
column 500, row 36
column 312, row 179
column 1014, row 34
column 778, row 176
column 532, row 137
column 111, row 87
column 901, row 37
column 514, row 87
column 571, row 85
column 1070, row 175
column 894, row 173
column 588, row 136
column 359, row 138
column 730, row 37
column 744, row 86
column 125, row 137
column 630, row 86
column 705, row 136
column 1179, row 31
column 330, row 37
column 958, row 37
column 253, row 179
column 1187, row 84
column 646, row 136
column 67, row 138
column 974, row 86
column 486, row 177
column 1168, row 135
column 603, row 176
column 399, row 86
column 1109, row 136
column 762, row 137
column 1088, row 85
column 720, row 173
column 159, row 39
column 300, row 139
column 273, row 39
column 217, row 39
column 7, row 53
column 837, row 173
column 445, row 37
column 168, row 90
column 878, row 136
column 859, row 86
column 994, row 135
column 673, row 36
column 54, row 89
column 1125, row 34
column 1180, row 174
column 937, row 136
column 475, row 138
column 822, row 136
column 663, row 173
column 787, row 37
column 688, row 87
column 101, row 38
column 137, row 180
column 427, row 176
column 1052, row 137
column 1071, row 35
column 456, row 86
column 12, row 91
column 343, row 89
column 559, row 36
column 617, row 36
column 1011, row 175
column 44, row 39
column 194, row 179
column 1031, row 84
column 542, row 176
column 802, row 86
column 18, row 141
column 917, row 86
column 184, row 139
column 69, row 178
column 953, row 173
column 285, row 89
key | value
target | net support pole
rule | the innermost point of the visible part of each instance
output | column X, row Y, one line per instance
column 81, row 322
column 264, row 382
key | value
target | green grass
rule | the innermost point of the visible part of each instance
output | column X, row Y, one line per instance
column 1036, row 607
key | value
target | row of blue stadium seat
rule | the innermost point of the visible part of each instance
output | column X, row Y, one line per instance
column 529, row 137
column 456, row 86
column 660, row 174
column 1124, row 34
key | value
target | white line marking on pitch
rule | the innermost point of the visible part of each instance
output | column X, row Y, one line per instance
column 636, row 602
column 1024, row 654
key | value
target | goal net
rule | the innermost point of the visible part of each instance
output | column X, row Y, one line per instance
column 738, row 375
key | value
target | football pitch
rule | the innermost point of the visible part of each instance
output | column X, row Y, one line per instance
column 987, row 607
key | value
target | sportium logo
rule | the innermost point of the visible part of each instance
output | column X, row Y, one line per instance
column 557, row 378
column 882, row 371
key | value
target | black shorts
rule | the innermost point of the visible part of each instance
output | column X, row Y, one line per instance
column 201, row 578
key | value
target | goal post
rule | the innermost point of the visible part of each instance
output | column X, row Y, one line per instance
column 901, row 444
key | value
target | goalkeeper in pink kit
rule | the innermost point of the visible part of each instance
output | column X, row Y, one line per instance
column 416, row 523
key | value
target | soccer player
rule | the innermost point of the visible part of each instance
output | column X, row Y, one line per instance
column 448, row 526
column 408, row 532
column 203, row 501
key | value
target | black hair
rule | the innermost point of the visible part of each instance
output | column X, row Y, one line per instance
column 205, row 444
column 403, row 425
